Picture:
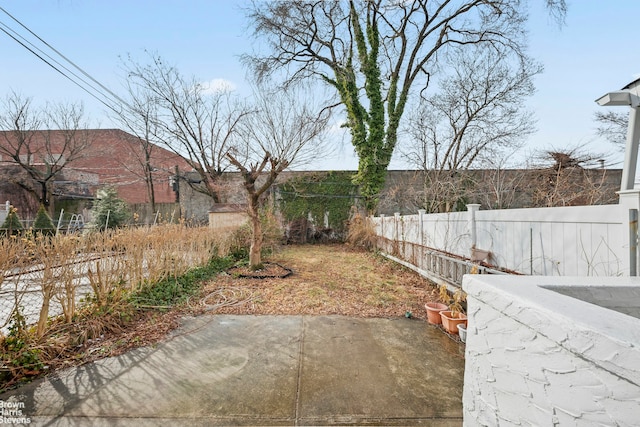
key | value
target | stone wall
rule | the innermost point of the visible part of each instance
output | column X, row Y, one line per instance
column 536, row 357
column 405, row 190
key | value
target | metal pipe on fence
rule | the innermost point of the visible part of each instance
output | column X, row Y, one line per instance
column 473, row 208
column 531, row 251
column 396, row 220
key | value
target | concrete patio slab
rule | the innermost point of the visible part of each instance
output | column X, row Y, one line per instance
column 264, row 370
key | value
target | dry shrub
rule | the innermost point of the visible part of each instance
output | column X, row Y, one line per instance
column 132, row 258
column 14, row 256
column 238, row 240
column 116, row 263
column 174, row 249
column 361, row 232
column 56, row 255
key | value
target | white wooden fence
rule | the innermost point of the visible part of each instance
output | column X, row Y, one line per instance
column 563, row 241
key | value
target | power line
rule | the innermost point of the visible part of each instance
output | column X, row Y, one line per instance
column 53, row 66
column 65, row 58
column 113, row 98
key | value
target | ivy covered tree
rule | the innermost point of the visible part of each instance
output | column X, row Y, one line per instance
column 109, row 211
column 376, row 54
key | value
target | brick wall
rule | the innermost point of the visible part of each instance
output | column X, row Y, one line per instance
column 535, row 357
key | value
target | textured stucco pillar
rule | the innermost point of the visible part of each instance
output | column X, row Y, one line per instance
column 538, row 357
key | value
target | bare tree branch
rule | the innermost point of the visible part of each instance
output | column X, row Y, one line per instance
column 284, row 130
column 190, row 120
column 373, row 53
column 42, row 142
column 613, row 126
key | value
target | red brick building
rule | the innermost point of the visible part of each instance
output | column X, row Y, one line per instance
column 110, row 157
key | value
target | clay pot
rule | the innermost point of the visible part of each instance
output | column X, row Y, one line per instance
column 450, row 323
column 433, row 312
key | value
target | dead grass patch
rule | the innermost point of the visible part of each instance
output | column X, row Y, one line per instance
column 330, row 279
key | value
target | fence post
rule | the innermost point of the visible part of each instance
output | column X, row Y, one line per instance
column 421, row 213
column 473, row 208
column 396, row 221
column 60, row 221
column 633, row 242
column 630, row 200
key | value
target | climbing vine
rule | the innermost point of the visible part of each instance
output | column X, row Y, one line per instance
column 373, row 145
column 318, row 193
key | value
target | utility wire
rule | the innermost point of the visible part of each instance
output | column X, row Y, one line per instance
column 49, row 63
column 66, row 59
column 114, row 97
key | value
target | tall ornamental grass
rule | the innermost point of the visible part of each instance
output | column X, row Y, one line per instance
column 57, row 292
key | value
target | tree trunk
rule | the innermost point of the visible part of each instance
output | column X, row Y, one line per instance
column 150, row 190
column 48, row 286
column 255, row 250
column 44, row 194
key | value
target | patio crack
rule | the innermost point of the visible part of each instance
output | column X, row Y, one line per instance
column 300, row 356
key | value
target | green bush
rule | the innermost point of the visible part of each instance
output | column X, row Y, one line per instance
column 18, row 356
column 43, row 223
column 320, row 193
column 175, row 290
column 11, row 225
column 109, row 211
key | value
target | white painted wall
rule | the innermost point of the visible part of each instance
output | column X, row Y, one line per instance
column 538, row 358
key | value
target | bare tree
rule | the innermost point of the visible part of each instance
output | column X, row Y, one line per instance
column 283, row 130
column 564, row 178
column 613, row 127
column 477, row 113
column 139, row 115
column 42, row 142
column 373, row 53
column 499, row 186
column 191, row 120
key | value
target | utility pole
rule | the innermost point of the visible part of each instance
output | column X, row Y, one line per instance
column 176, row 189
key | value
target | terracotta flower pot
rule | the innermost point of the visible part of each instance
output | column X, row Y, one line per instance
column 433, row 312
column 450, row 323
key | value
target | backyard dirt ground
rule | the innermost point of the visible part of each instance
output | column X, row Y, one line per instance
column 326, row 279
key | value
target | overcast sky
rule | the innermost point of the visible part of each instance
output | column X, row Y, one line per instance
column 594, row 53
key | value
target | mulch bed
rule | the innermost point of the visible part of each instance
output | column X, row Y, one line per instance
column 269, row 270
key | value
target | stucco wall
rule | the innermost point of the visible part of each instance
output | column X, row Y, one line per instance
column 535, row 357
column 227, row 220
